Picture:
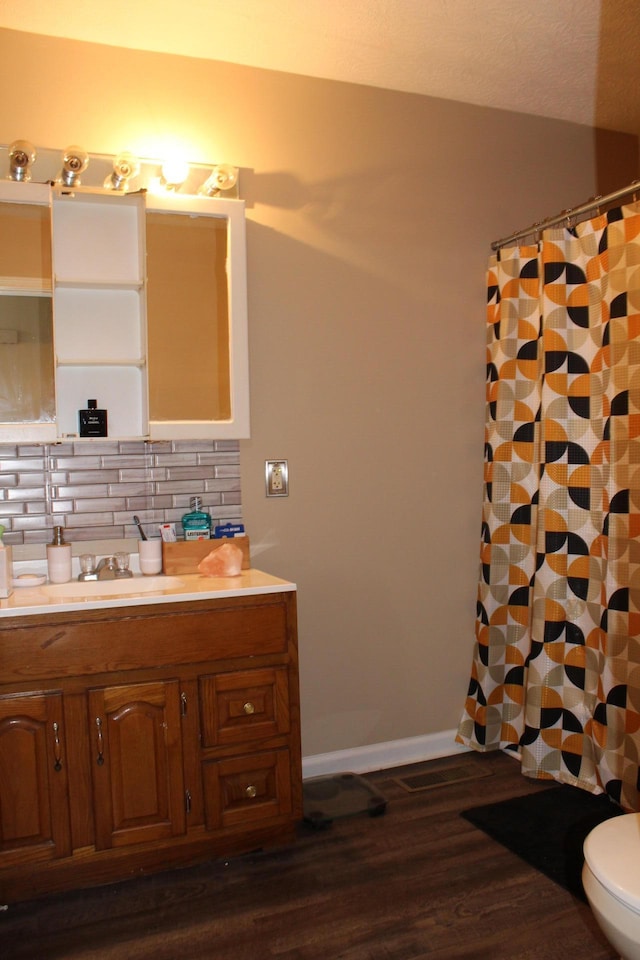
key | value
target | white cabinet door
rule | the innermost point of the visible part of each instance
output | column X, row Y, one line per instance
column 197, row 318
column 27, row 394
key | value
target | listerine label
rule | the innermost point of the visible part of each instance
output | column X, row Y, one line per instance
column 202, row 534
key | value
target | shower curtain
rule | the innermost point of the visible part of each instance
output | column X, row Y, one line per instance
column 556, row 666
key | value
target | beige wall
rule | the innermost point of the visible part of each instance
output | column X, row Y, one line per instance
column 370, row 217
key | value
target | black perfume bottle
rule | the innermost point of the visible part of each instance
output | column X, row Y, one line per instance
column 93, row 422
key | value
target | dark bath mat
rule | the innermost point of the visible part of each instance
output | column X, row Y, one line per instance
column 547, row 829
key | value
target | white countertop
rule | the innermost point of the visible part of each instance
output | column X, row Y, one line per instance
column 33, row 600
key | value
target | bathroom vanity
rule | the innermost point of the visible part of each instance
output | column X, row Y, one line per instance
column 145, row 732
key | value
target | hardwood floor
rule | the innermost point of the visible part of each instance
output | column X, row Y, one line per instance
column 416, row 882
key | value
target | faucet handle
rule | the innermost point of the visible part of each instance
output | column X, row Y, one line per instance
column 87, row 562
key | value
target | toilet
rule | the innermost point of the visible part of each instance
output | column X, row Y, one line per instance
column 611, row 881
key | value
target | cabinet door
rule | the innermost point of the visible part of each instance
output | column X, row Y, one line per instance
column 137, row 763
column 27, row 395
column 197, row 318
column 34, row 811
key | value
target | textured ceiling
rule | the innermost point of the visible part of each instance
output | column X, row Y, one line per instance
column 570, row 59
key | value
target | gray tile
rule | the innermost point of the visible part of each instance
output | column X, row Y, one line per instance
column 175, row 459
column 98, row 504
column 181, row 446
column 25, row 493
column 22, row 465
column 127, row 489
column 88, row 490
column 92, row 476
column 25, row 522
column 84, row 462
column 182, row 473
column 148, row 473
column 62, row 506
column 97, row 448
column 89, row 519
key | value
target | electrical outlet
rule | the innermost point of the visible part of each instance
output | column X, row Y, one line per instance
column 277, row 478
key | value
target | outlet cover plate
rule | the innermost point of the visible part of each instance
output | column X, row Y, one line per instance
column 276, row 474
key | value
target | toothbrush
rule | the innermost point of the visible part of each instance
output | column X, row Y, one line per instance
column 136, row 520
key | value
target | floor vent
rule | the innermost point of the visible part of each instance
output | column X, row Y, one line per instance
column 439, row 778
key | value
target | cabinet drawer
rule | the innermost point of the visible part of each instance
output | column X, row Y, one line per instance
column 133, row 638
column 246, row 790
column 245, row 705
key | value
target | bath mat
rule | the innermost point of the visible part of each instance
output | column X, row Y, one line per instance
column 547, row 829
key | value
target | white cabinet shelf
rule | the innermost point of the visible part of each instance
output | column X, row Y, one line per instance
column 117, row 388
column 98, row 285
column 92, row 362
column 97, row 238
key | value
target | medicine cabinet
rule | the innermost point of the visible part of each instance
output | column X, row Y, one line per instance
column 138, row 301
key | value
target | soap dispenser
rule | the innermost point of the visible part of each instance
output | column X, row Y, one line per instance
column 59, row 558
column 6, row 569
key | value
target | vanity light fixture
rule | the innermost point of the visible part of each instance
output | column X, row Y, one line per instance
column 125, row 168
column 174, row 172
column 74, row 161
column 21, row 155
column 222, row 177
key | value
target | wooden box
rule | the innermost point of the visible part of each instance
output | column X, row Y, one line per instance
column 183, row 556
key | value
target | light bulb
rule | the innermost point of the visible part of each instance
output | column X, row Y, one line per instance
column 125, row 168
column 21, row 155
column 74, row 161
column 174, row 172
column 222, row 177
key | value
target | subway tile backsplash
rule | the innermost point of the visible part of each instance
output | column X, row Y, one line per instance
column 93, row 490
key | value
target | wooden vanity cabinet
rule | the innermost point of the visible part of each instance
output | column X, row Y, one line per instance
column 134, row 739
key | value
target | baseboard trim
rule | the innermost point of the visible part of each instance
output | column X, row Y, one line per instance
column 380, row 756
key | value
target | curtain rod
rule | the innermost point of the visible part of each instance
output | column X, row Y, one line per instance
column 592, row 204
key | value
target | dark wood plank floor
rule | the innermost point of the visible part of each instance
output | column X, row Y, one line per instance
column 417, row 882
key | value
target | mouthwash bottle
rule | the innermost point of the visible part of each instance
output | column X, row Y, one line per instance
column 197, row 523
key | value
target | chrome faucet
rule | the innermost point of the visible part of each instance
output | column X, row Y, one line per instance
column 109, row 568
column 106, row 569
column 116, row 567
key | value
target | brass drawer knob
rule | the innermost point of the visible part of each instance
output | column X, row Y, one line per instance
column 251, row 791
column 249, row 708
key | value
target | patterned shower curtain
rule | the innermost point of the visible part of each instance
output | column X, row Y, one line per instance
column 556, row 667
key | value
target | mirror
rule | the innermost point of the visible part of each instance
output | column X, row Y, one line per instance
column 26, row 322
column 187, row 291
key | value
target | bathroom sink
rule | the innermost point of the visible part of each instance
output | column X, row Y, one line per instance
column 92, row 589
